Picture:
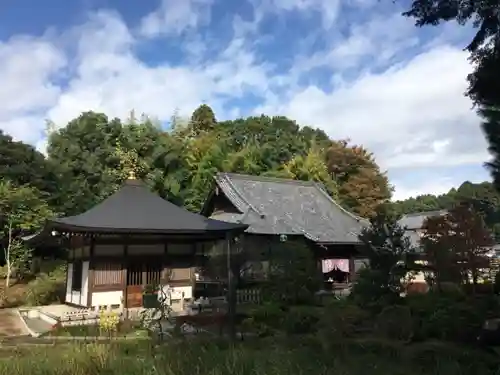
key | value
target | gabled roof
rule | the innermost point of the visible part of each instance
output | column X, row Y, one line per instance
column 415, row 221
column 135, row 209
column 280, row 206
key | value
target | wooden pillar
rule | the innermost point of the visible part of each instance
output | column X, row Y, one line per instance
column 124, row 273
column 231, row 290
column 352, row 269
column 90, row 275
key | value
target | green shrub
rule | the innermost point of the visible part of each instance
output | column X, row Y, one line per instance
column 265, row 319
column 450, row 317
column 301, row 320
column 344, row 319
column 395, row 322
column 275, row 356
column 47, row 288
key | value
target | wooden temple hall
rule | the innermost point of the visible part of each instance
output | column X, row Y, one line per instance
column 133, row 239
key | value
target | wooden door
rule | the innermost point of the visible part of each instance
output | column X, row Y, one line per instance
column 134, row 284
column 134, row 295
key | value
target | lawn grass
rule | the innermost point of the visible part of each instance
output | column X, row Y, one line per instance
column 203, row 357
column 93, row 330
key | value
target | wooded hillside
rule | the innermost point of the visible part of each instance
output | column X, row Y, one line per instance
column 85, row 160
column 482, row 196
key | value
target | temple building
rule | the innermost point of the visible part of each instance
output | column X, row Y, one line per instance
column 277, row 209
column 131, row 240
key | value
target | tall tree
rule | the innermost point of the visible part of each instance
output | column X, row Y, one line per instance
column 456, row 245
column 484, row 81
column 311, row 167
column 22, row 210
column 389, row 254
column 89, row 151
column 362, row 186
column 22, row 164
column 203, row 119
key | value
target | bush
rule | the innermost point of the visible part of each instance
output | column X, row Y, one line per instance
column 265, row 319
column 395, row 322
column 47, row 288
column 451, row 317
column 195, row 356
column 340, row 320
column 301, row 320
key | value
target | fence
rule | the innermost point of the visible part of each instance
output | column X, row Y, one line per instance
column 244, row 296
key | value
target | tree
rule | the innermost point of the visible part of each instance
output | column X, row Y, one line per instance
column 482, row 196
column 439, row 253
column 311, row 167
column 484, row 81
column 491, row 127
column 362, row 186
column 22, row 164
column 89, row 151
column 390, row 257
column 203, row 119
column 22, row 211
column 456, row 245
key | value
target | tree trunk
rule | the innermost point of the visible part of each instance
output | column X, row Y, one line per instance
column 7, row 257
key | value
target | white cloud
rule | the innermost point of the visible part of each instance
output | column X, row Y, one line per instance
column 432, row 186
column 26, row 67
column 401, row 113
column 175, row 17
column 410, row 111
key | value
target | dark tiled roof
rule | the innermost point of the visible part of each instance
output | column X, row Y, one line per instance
column 279, row 206
column 135, row 209
column 415, row 221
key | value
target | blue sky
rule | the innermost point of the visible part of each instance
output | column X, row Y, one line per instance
column 355, row 68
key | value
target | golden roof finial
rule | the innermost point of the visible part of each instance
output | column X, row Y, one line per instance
column 131, row 175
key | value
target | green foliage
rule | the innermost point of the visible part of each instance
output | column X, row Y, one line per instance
column 203, row 119
column 395, row 322
column 483, row 197
column 342, row 319
column 301, row 320
column 293, row 275
column 23, row 211
column 450, row 316
column 389, row 254
column 23, row 165
column 47, row 288
column 484, row 50
column 279, row 357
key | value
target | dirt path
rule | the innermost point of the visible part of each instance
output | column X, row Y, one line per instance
column 10, row 324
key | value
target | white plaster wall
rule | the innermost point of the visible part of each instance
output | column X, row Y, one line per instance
column 175, row 293
column 73, row 296
column 107, row 298
column 85, row 283
column 68, row 283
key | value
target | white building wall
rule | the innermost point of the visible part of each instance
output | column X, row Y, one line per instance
column 85, row 283
column 107, row 298
column 69, row 281
column 73, row 296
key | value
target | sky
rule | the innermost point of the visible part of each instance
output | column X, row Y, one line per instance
column 357, row 69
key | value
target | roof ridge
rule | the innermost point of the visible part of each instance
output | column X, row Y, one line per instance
column 239, row 193
column 427, row 213
column 267, row 179
column 347, row 212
